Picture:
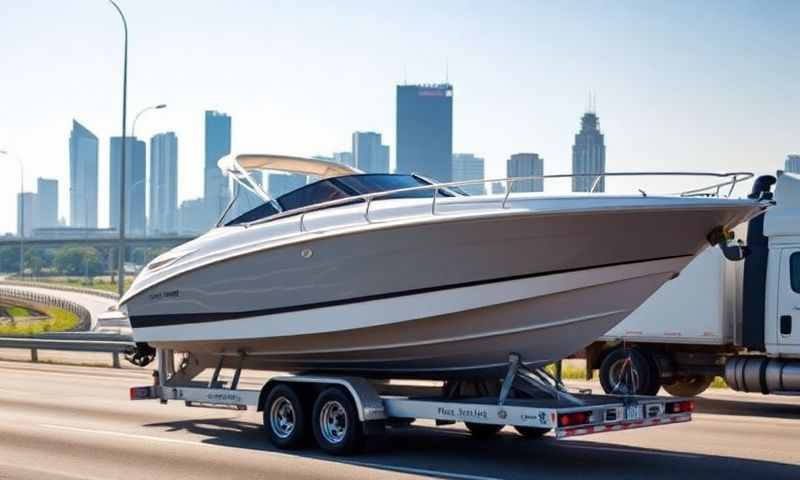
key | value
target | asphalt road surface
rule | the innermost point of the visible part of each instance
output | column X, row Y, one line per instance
column 67, row 422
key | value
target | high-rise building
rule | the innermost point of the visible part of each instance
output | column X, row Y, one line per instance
column 47, row 199
column 216, row 191
column 163, row 184
column 27, row 210
column 280, row 183
column 498, row 188
column 792, row 164
column 369, row 154
column 135, row 184
column 467, row 166
column 345, row 158
column 82, row 177
column 588, row 155
column 425, row 130
column 192, row 217
column 526, row 165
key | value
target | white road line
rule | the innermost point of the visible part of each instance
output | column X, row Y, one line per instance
column 399, row 469
column 630, row 451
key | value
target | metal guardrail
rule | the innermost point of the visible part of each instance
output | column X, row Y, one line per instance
column 84, row 317
column 86, row 342
column 64, row 288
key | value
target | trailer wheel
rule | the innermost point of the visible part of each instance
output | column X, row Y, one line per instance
column 482, row 430
column 285, row 418
column 690, row 387
column 337, row 428
column 531, row 432
column 628, row 371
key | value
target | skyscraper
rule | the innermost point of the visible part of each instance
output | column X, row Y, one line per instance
column 163, row 184
column 192, row 218
column 27, row 208
column 135, row 184
column 218, row 144
column 345, row 158
column 526, row 165
column 369, row 154
column 47, row 200
column 588, row 155
column 793, row 164
column 82, row 177
column 425, row 130
column 467, row 166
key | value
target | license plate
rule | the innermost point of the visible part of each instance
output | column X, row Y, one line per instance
column 633, row 412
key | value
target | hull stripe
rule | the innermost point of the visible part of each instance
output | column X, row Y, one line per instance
column 145, row 321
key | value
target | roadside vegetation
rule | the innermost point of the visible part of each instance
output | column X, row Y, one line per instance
column 16, row 321
column 73, row 265
column 576, row 370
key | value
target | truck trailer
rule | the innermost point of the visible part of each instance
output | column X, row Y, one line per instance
column 739, row 320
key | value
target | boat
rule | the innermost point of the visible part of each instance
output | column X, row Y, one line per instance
column 397, row 276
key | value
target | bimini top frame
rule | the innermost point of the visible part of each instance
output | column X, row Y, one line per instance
column 237, row 166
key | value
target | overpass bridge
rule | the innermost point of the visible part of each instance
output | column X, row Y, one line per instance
column 130, row 242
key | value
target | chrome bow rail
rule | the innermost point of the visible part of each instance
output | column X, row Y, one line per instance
column 731, row 180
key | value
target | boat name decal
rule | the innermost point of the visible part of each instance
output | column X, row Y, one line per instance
column 168, row 294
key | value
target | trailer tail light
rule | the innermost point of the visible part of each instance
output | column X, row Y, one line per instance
column 141, row 393
column 685, row 406
column 574, row 418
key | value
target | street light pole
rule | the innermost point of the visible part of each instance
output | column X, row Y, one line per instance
column 154, row 107
column 121, row 247
column 21, row 216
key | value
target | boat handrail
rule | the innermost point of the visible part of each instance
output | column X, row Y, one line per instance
column 733, row 178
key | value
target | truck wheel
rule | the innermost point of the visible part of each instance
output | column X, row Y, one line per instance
column 690, row 387
column 482, row 430
column 628, row 372
column 337, row 428
column 285, row 418
column 531, row 432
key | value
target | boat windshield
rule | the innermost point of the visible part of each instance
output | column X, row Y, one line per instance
column 336, row 188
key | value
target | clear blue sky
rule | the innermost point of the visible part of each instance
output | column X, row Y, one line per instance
column 706, row 85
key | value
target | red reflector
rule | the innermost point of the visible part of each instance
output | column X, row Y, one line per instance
column 576, row 418
column 564, row 420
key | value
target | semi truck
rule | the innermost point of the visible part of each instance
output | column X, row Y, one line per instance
column 739, row 320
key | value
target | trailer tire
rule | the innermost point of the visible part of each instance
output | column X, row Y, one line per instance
column 336, row 426
column 690, row 387
column 285, row 418
column 640, row 374
column 483, row 430
column 531, row 432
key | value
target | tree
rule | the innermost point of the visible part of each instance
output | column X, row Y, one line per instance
column 37, row 259
column 77, row 261
column 9, row 259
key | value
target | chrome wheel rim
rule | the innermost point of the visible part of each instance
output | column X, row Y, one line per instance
column 282, row 418
column 333, row 422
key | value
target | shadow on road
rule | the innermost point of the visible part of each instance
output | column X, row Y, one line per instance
column 746, row 408
column 452, row 453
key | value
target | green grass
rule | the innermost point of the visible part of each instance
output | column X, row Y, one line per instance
column 57, row 320
column 96, row 283
column 18, row 312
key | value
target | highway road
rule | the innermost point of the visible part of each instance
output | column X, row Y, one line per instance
column 67, row 422
column 94, row 303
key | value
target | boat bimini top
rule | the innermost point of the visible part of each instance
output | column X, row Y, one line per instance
column 336, row 181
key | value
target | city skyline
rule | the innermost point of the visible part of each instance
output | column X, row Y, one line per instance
column 711, row 91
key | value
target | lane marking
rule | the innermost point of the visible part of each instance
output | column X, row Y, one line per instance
column 395, row 468
column 629, row 451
